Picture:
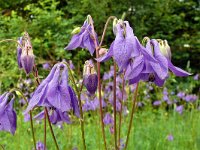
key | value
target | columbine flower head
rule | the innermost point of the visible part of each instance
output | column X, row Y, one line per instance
column 8, row 117
column 25, row 56
column 153, row 71
column 83, row 39
column 123, row 47
column 90, row 79
column 108, row 119
column 55, row 92
column 166, row 51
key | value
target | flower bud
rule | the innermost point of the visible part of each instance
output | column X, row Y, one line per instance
column 76, row 30
column 102, row 52
column 115, row 21
column 90, row 79
column 165, row 48
column 27, row 56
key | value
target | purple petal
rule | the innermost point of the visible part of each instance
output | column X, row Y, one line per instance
column 135, row 68
column 177, row 71
column 108, row 55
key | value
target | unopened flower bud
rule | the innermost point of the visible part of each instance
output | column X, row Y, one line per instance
column 90, row 79
column 115, row 21
column 102, row 51
column 27, row 56
column 76, row 30
column 165, row 48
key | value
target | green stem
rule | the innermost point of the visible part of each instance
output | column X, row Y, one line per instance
column 51, row 129
column 132, row 112
column 80, row 105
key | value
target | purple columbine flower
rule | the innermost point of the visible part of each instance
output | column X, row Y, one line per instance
column 124, row 47
column 25, row 56
column 8, row 117
column 108, row 119
column 83, row 39
column 190, row 98
column 166, row 51
column 55, row 92
column 153, row 71
column 179, row 109
column 90, row 79
column 40, row 146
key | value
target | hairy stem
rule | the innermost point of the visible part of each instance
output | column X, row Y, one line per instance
column 121, row 109
column 99, row 82
column 114, row 104
column 105, row 28
column 80, row 104
column 132, row 112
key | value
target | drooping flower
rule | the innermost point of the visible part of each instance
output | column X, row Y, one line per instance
column 8, row 117
column 165, row 50
column 123, row 47
column 90, row 79
column 55, row 92
column 83, row 39
column 25, row 56
column 153, row 71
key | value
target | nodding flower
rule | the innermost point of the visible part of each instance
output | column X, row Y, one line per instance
column 8, row 117
column 25, row 56
column 83, row 38
column 55, row 92
column 90, row 79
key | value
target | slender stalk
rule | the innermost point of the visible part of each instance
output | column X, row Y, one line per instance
column 105, row 27
column 132, row 112
column 99, row 81
column 51, row 129
column 31, row 117
column 80, row 105
column 121, row 109
column 35, row 73
column 114, row 105
column 11, row 40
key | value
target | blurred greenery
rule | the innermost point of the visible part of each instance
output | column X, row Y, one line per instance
column 50, row 22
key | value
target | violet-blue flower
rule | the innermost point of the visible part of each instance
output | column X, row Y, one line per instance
column 83, row 39
column 55, row 92
column 25, row 56
column 40, row 146
column 90, row 79
column 8, row 117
